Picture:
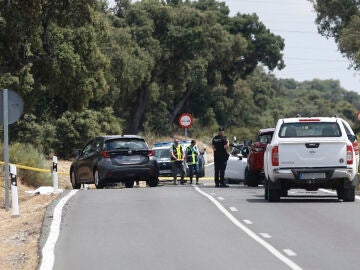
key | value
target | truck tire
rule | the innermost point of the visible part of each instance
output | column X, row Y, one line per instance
column 274, row 191
column 349, row 194
column 266, row 189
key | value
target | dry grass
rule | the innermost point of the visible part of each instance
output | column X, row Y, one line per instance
column 19, row 236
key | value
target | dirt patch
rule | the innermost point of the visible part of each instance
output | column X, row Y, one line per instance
column 19, row 236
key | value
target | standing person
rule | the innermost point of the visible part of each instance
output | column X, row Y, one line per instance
column 220, row 145
column 177, row 159
column 192, row 159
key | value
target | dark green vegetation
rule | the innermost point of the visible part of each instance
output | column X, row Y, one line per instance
column 28, row 155
column 83, row 69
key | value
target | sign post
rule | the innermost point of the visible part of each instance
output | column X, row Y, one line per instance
column 12, row 108
column 185, row 121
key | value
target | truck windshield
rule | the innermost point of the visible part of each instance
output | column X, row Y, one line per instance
column 310, row 129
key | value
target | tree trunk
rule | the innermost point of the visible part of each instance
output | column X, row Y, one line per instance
column 139, row 110
column 180, row 105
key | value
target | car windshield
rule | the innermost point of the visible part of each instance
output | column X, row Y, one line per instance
column 162, row 153
column 125, row 144
column 310, row 129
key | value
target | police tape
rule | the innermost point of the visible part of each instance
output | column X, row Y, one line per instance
column 33, row 168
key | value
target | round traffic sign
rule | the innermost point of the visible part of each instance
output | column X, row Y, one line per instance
column 15, row 106
column 185, row 120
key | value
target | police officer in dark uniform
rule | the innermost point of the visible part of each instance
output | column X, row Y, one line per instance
column 220, row 145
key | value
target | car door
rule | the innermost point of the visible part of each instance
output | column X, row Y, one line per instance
column 235, row 168
column 86, row 162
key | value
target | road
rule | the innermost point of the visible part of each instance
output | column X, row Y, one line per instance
column 188, row 227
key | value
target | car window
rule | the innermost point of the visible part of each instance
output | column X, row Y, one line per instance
column 310, row 129
column 162, row 153
column 265, row 138
column 125, row 144
column 88, row 148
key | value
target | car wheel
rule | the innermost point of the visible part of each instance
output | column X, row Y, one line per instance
column 251, row 179
column 129, row 183
column 99, row 183
column 74, row 183
column 349, row 194
column 153, row 181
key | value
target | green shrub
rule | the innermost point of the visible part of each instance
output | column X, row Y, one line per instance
column 28, row 155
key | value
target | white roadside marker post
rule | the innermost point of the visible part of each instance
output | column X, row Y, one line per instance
column 55, row 174
column 14, row 192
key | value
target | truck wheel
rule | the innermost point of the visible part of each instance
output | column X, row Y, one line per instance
column 266, row 189
column 340, row 193
column 74, row 183
column 349, row 194
column 153, row 181
column 274, row 195
column 251, row 179
column 99, row 183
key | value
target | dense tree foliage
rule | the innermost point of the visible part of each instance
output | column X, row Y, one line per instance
column 83, row 69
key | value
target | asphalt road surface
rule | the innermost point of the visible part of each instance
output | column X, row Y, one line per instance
column 189, row 227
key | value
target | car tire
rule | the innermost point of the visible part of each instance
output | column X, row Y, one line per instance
column 349, row 194
column 251, row 179
column 99, row 183
column 74, row 183
column 153, row 181
column 129, row 183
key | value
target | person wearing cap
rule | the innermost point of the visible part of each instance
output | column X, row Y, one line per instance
column 192, row 159
column 177, row 159
column 220, row 145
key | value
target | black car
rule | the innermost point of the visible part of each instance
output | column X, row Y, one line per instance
column 114, row 159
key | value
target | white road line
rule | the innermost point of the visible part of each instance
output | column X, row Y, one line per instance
column 247, row 221
column 289, row 252
column 249, row 232
column 221, row 198
column 48, row 257
column 265, row 235
column 232, row 208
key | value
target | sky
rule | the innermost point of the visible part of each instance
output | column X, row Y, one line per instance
column 307, row 54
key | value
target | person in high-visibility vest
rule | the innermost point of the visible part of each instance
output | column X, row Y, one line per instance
column 177, row 159
column 192, row 159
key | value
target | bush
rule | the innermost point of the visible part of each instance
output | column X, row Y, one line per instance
column 28, row 155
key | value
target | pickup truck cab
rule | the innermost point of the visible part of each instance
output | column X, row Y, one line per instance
column 311, row 153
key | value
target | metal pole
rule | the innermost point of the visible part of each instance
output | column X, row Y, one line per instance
column 6, row 147
column 185, row 134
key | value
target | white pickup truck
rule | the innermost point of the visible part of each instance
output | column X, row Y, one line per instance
column 311, row 153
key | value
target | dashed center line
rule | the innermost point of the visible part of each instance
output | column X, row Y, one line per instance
column 289, row 252
column 220, row 198
column 265, row 235
column 247, row 221
column 233, row 209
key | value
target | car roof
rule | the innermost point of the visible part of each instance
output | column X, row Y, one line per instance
column 123, row 136
column 266, row 130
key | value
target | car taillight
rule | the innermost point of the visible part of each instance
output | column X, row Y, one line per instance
column 275, row 156
column 355, row 145
column 349, row 154
column 151, row 153
column 105, row 154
